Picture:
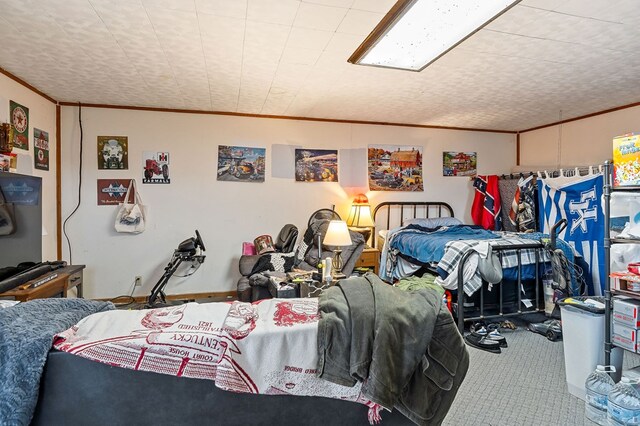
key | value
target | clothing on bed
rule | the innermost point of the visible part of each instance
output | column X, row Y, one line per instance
column 410, row 241
column 412, row 283
column 26, row 334
column 486, row 208
column 577, row 199
column 369, row 318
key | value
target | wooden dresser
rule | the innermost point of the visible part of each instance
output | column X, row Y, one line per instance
column 53, row 284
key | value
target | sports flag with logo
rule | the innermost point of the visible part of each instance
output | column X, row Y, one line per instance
column 577, row 199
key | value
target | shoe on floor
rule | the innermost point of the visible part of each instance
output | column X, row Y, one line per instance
column 482, row 342
column 491, row 335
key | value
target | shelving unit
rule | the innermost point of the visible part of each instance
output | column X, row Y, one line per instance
column 608, row 242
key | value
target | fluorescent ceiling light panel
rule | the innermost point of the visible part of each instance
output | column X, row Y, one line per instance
column 417, row 32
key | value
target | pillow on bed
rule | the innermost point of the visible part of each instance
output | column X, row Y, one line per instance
column 432, row 222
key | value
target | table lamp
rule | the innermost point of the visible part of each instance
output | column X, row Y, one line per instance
column 360, row 219
column 337, row 236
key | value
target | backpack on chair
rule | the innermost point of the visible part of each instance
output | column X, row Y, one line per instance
column 286, row 241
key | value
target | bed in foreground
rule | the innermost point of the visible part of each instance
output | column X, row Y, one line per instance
column 243, row 363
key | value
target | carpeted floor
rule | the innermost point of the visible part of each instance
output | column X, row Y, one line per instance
column 524, row 385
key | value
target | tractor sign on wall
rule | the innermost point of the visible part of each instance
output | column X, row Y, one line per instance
column 156, row 167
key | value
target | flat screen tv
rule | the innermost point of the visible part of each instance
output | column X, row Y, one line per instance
column 24, row 194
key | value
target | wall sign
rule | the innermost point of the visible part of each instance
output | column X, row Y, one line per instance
column 40, row 149
column 19, row 116
column 113, row 152
column 155, row 167
column 112, row 191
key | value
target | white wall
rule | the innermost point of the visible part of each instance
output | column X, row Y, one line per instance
column 42, row 115
column 577, row 143
column 228, row 213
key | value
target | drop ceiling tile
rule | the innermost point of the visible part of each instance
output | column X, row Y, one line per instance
column 230, row 8
column 596, row 9
column 277, row 104
column 181, row 5
column 264, row 41
column 306, row 38
column 359, row 22
column 222, row 29
column 334, row 3
column 294, row 55
column 319, row 17
column 379, row 6
column 282, row 12
column 344, row 43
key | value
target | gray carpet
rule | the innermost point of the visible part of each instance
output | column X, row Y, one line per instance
column 524, row 385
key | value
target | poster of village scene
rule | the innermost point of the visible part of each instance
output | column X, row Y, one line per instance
column 459, row 163
column 395, row 168
column 316, row 165
column 241, row 163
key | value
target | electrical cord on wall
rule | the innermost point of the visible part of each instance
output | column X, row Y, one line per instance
column 130, row 300
column 64, row 226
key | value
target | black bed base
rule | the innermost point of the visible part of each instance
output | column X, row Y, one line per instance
column 77, row 391
column 538, row 303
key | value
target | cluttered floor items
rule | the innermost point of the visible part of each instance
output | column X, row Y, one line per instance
column 488, row 337
column 491, row 337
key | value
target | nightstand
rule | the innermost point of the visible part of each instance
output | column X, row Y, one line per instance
column 370, row 258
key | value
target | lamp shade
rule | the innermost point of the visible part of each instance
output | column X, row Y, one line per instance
column 337, row 234
column 360, row 214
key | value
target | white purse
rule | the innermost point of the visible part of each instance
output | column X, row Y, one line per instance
column 131, row 217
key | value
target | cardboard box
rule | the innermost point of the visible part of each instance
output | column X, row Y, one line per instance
column 313, row 288
column 625, row 280
column 626, row 153
column 628, row 333
column 282, row 290
column 626, row 311
column 630, row 345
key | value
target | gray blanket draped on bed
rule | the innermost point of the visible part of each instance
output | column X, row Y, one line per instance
column 26, row 335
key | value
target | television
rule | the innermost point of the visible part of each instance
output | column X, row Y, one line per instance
column 24, row 194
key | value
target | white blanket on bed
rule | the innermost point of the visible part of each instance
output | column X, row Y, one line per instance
column 268, row 347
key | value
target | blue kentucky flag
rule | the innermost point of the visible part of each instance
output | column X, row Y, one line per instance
column 577, row 199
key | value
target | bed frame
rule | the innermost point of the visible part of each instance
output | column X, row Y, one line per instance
column 392, row 214
column 78, row 391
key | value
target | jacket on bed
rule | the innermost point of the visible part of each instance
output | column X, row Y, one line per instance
column 403, row 347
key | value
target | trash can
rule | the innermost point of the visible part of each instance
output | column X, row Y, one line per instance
column 583, row 340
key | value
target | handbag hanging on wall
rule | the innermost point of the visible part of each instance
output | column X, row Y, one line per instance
column 131, row 217
column 7, row 216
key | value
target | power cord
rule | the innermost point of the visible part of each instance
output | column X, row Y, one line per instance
column 64, row 226
column 129, row 297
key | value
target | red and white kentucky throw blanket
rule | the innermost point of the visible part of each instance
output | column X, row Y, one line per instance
column 268, row 347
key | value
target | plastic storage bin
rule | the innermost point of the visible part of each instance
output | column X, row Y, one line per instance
column 583, row 340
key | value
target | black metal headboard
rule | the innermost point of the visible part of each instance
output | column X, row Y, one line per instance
column 393, row 213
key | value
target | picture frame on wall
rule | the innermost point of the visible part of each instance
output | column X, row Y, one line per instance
column 316, row 165
column 456, row 163
column 395, row 168
column 241, row 163
column 113, row 152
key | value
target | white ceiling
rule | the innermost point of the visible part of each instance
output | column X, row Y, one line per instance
column 542, row 60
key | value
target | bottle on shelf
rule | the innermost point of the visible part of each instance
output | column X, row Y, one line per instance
column 623, row 403
column 598, row 385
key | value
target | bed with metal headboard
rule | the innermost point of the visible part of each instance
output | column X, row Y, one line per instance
column 522, row 257
column 392, row 214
